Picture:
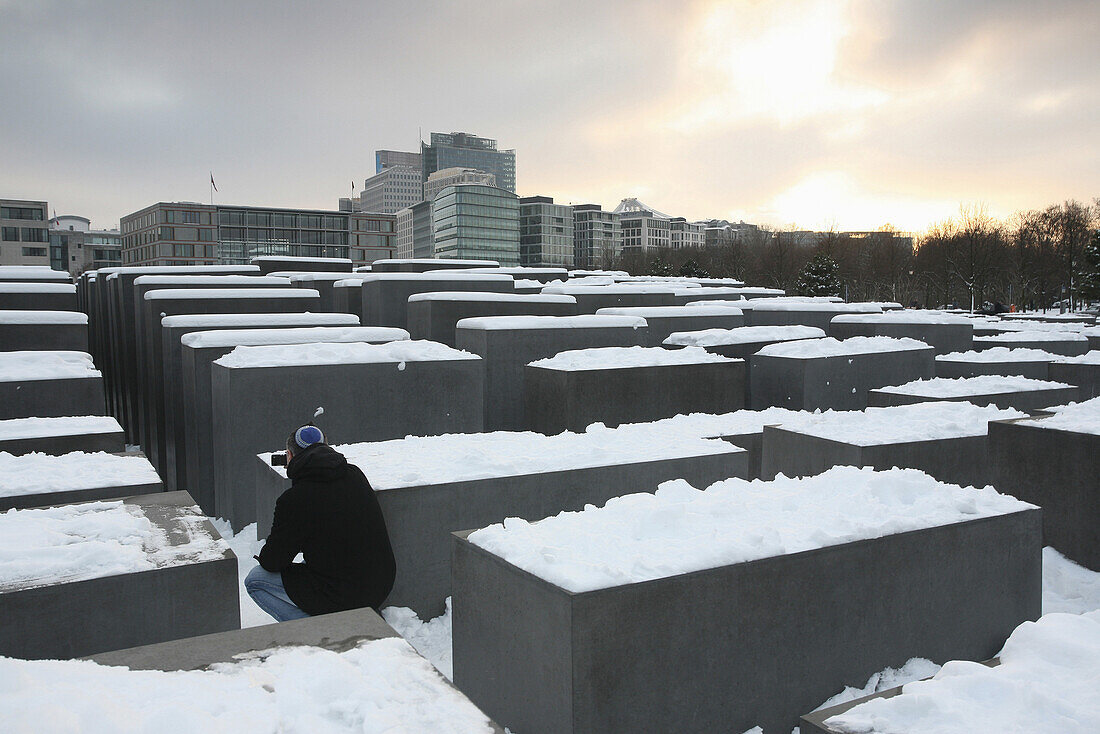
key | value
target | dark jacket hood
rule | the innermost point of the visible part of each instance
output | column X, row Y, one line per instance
column 320, row 462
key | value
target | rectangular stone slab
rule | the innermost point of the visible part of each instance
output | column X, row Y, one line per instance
column 31, row 301
column 742, row 645
column 275, row 264
column 435, row 320
column 422, row 398
column 1085, row 376
column 76, row 495
column 1059, row 471
column 126, row 610
column 1038, row 370
column 944, row 338
column 43, row 337
column 386, row 302
column 962, row 461
column 838, row 382
column 571, row 400
column 1067, row 348
column 51, row 398
column 63, row 443
column 420, row 519
column 1019, row 399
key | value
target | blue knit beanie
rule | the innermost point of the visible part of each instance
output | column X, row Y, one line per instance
column 308, row 435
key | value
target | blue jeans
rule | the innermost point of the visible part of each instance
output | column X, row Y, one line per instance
column 266, row 589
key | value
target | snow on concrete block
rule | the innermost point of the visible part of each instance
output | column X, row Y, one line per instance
column 741, row 342
column 1054, row 462
column 1020, row 393
column 429, row 487
column 781, row 312
column 37, row 479
column 49, row 384
column 434, row 315
column 614, row 385
column 1083, row 371
column 32, row 274
column 591, row 299
column 947, row 440
column 742, row 593
column 1031, row 363
column 43, row 330
column 1066, row 343
column 539, row 275
column 943, row 331
column 38, row 296
column 424, row 264
column 61, row 435
column 828, row 373
column 86, row 578
column 397, row 389
column 385, row 295
column 664, row 321
column 272, row 263
column 962, row 696
column 509, row 343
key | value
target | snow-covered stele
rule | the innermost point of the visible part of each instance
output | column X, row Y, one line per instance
column 1045, row 683
column 38, row 287
column 20, row 428
column 780, row 304
column 340, row 353
column 45, row 365
column 38, row 473
column 43, row 317
column 165, row 281
column 224, row 320
column 294, row 258
column 667, row 311
column 999, row 354
column 910, row 316
column 588, row 321
column 742, row 335
column 1032, row 336
column 954, row 387
column 829, row 347
column 488, row 296
column 904, row 423
column 169, row 294
column 1091, row 357
column 1077, row 417
column 307, row 335
column 607, row 358
column 680, row 529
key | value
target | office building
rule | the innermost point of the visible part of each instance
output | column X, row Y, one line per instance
column 414, row 231
column 384, row 159
column 722, row 233
column 545, row 233
column 453, row 177
column 189, row 233
column 683, row 234
column 475, row 222
column 76, row 247
column 24, row 232
column 463, row 150
column 392, row 189
column 597, row 238
column 645, row 230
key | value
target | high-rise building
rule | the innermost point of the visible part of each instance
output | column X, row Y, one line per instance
column 24, row 232
column 76, row 247
column 545, row 233
column 453, row 177
column 597, row 238
column 644, row 228
column 414, row 231
column 463, row 150
column 475, row 222
column 384, row 159
column 683, row 234
column 188, row 233
column 392, row 189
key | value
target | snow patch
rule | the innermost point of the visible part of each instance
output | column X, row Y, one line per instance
column 261, row 319
column 169, row 294
column 340, row 353
column 45, row 365
column 904, row 423
column 587, row 321
column 958, row 387
column 38, row 473
column 742, row 335
column 1076, row 417
column 607, row 358
column 43, row 317
column 311, row 335
column 18, row 428
column 829, row 347
column 999, row 354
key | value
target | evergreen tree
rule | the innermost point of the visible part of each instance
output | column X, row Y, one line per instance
column 820, row 277
column 1090, row 271
column 657, row 266
column 692, row 269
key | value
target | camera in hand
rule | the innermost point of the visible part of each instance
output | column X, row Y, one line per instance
column 278, row 459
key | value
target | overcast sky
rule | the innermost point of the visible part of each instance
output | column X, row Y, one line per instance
column 845, row 114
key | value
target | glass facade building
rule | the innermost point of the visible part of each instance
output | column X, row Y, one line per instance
column 476, row 222
column 462, row 150
column 545, row 233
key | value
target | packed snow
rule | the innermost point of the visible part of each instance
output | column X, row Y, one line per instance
column 46, row 365
column 432, row 638
column 680, row 529
column 17, row 428
column 904, row 423
column 608, row 358
column 37, row 287
column 261, row 319
column 661, row 312
column 53, row 545
column 913, row 670
column 341, row 353
column 38, row 473
column 915, row 316
column 1067, row 586
column 308, row 335
column 958, row 387
column 43, row 317
column 1045, row 683
column 999, row 354
column 1031, row 336
column 226, row 280
column 486, row 296
column 458, row 457
column 742, row 335
column 1092, row 357
column 169, row 294
column 1076, row 417
column 245, row 546
column 830, row 347
column 587, row 321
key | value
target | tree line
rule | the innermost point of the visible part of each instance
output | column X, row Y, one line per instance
column 1033, row 260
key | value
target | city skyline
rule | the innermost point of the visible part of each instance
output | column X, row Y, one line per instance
column 821, row 114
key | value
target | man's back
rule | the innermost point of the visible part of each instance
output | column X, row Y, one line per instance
column 331, row 516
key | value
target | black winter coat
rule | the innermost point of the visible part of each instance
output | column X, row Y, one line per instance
column 331, row 516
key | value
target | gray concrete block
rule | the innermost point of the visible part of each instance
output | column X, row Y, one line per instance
column 664, row 321
column 38, row 297
column 1085, row 376
column 591, row 299
column 73, row 495
column 506, row 351
column 1035, row 369
column 433, row 316
column 1026, row 400
column 426, row 265
column 414, row 398
column 35, row 337
column 64, row 441
column 1064, row 347
column 347, row 297
column 838, row 382
column 77, row 618
column 944, row 338
column 386, row 295
column 742, row 645
column 277, row 263
column 557, row 400
column 51, row 398
column 963, row 461
column 819, row 316
column 1057, row 470
column 420, row 519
